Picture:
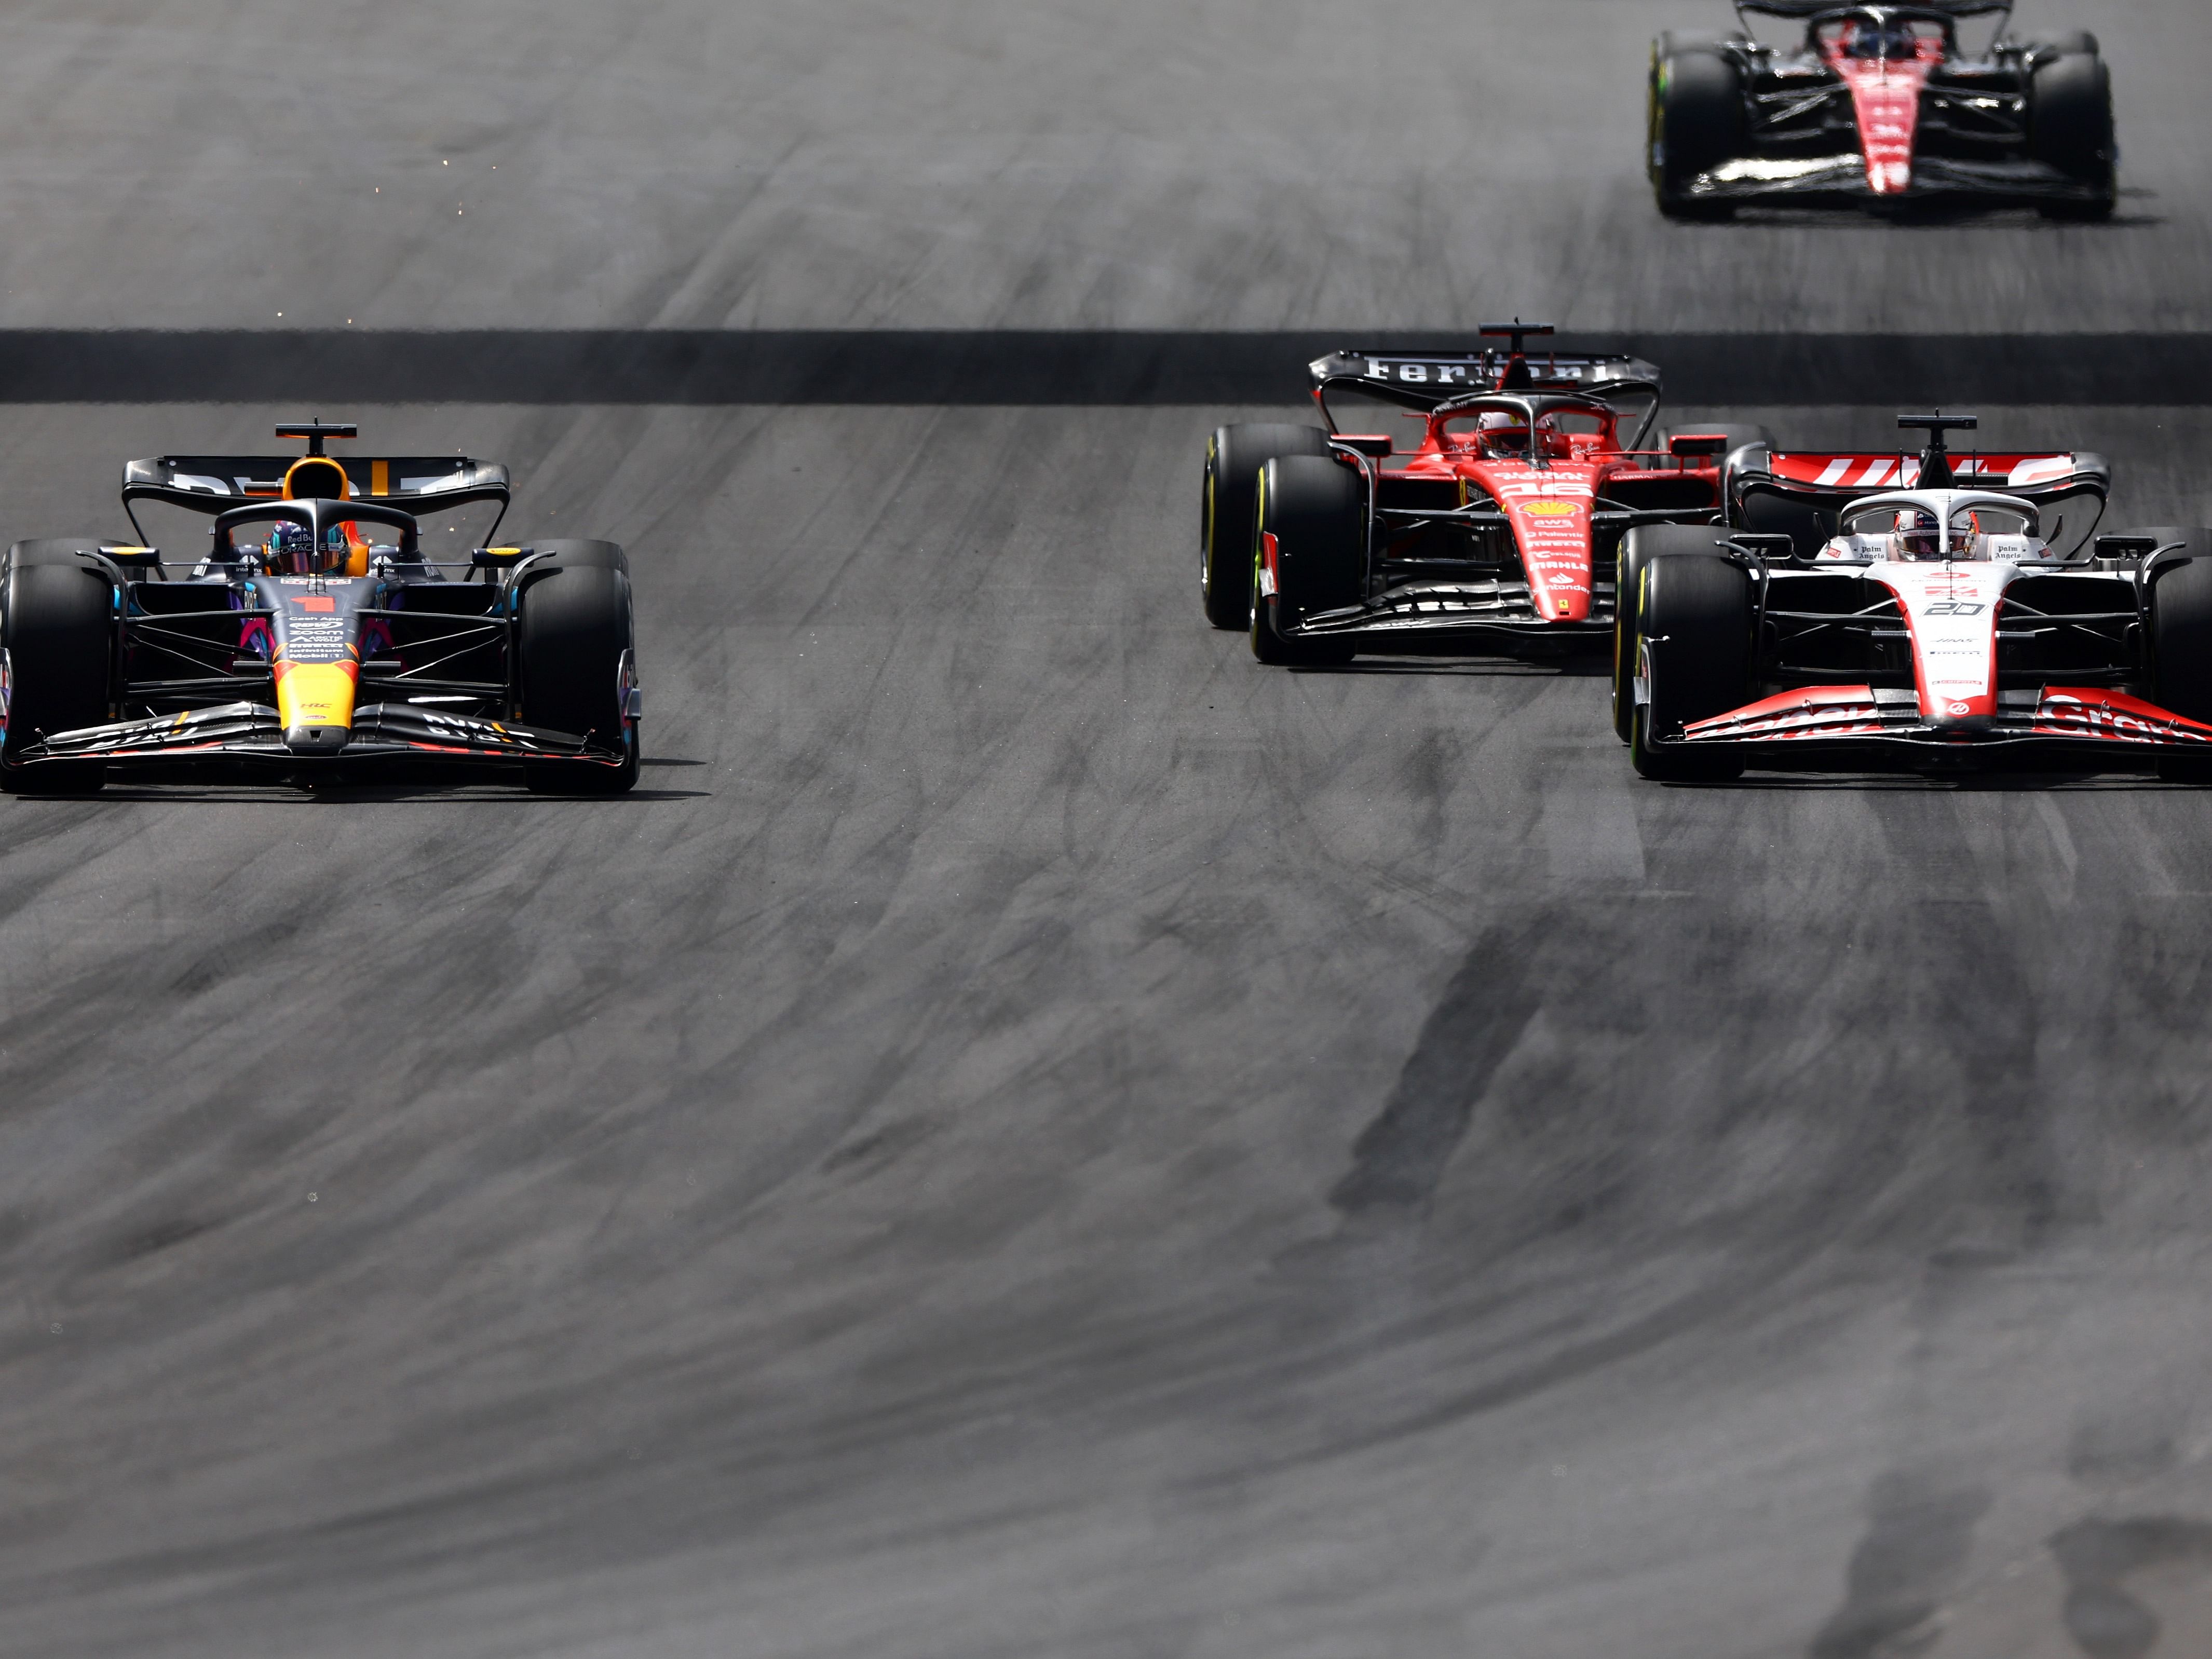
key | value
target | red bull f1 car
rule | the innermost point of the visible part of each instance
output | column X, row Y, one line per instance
column 1498, row 526
column 316, row 637
column 1945, row 625
column 1880, row 105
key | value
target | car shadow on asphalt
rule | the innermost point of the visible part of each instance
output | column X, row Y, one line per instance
column 1469, row 667
column 361, row 795
column 2017, row 783
column 1935, row 216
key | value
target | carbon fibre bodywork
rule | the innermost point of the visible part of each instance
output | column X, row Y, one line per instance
column 242, row 664
column 1880, row 105
column 1500, row 525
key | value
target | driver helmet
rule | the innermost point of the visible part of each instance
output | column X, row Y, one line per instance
column 1889, row 38
column 1503, row 429
column 291, row 548
column 1918, row 535
column 343, row 548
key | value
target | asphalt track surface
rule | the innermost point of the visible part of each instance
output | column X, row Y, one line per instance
column 1029, row 1133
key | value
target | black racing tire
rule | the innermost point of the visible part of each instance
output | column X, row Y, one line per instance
column 2064, row 44
column 54, row 550
column 1694, row 631
column 2069, row 116
column 2181, row 637
column 576, row 629
column 1638, row 548
column 587, row 555
column 56, row 618
column 1316, row 511
column 1696, row 121
column 2181, row 647
column 1234, row 456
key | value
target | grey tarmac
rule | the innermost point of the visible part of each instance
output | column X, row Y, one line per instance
column 1029, row 1133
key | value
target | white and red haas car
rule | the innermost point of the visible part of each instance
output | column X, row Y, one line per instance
column 1938, row 629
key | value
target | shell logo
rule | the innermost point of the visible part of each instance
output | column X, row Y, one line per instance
column 1550, row 509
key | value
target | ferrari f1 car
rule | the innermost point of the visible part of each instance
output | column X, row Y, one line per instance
column 316, row 637
column 1879, row 104
column 1499, row 525
column 1944, row 625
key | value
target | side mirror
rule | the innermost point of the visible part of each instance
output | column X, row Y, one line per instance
column 1685, row 444
column 499, row 558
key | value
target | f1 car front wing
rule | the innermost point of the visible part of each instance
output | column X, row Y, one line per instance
column 250, row 733
column 1837, row 179
column 1843, row 722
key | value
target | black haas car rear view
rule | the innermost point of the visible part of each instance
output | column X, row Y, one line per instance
column 1957, row 612
column 1878, row 105
column 316, row 636
column 1497, row 526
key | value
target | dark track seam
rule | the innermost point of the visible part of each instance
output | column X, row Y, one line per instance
column 351, row 366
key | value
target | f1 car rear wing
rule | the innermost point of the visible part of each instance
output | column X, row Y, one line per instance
column 1801, row 494
column 1423, row 379
column 413, row 483
column 1934, row 8
column 417, row 485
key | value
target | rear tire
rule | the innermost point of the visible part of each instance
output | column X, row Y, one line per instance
column 1695, row 102
column 576, row 632
column 1316, row 511
column 1234, row 456
column 1695, row 635
column 1638, row 548
column 54, row 622
column 2070, row 108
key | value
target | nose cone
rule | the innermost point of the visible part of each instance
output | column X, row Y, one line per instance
column 316, row 739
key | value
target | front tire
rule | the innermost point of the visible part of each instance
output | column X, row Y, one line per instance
column 2070, row 128
column 576, row 640
column 1695, row 104
column 55, row 624
column 1312, row 512
column 1694, row 634
column 1234, row 456
column 1638, row 548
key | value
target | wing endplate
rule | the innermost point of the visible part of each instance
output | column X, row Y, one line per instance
column 413, row 483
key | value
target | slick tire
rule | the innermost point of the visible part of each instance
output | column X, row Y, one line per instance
column 1314, row 511
column 1695, row 634
column 2070, row 115
column 2065, row 43
column 54, row 622
column 1234, row 456
column 1696, row 122
column 585, row 555
column 1638, row 548
column 576, row 631
column 2181, row 635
